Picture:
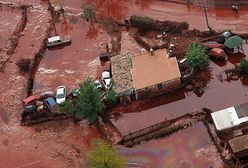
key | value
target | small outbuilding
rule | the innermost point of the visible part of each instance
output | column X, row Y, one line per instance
column 239, row 146
column 230, row 118
column 234, row 43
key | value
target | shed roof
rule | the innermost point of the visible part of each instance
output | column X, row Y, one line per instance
column 153, row 69
column 233, row 42
column 121, row 75
column 230, row 117
column 239, row 144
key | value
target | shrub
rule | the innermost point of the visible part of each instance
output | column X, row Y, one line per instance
column 111, row 97
column 196, row 56
column 141, row 22
column 103, row 155
column 88, row 13
column 23, row 64
column 243, row 67
column 89, row 103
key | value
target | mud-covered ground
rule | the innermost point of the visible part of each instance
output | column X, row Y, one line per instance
column 64, row 144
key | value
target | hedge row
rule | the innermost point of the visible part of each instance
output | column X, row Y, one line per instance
column 145, row 23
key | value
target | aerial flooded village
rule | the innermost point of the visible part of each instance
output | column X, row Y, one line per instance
column 123, row 84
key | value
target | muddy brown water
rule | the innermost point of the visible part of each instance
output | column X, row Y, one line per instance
column 191, row 147
column 56, row 144
column 69, row 64
column 7, row 26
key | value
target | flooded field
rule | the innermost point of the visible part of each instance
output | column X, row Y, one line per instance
column 219, row 18
column 64, row 144
column 67, row 65
column 8, row 26
column 189, row 148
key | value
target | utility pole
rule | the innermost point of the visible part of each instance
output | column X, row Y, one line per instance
column 206, row 16
column 204, row 6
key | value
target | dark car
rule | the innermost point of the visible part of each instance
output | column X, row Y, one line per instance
column 51, row 104
column 30, row 109
column 104, row 57
column 74, row 92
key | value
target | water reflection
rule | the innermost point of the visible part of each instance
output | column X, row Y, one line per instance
column 111, row 9
column 177, row 150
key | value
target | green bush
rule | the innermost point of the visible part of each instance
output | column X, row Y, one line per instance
column 243, row 67
column 196, row 56
column 140, row 22
column 103, row 155
column 88, row 13
column 111, row 97
column 89, row 103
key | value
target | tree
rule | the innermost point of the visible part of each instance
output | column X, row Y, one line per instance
column 88, row 13
column 103, row 155
column 243, row 67
column 196, row 56
column 111, row 96
column 67, row 108
column 89, row 103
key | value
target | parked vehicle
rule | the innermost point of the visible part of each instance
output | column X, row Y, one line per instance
column 104, row 57
column 106, row 79
column 217, row 53
column 51, row 104
column 60, row 94
column 46, row 94
column 213, row 44
column 74, row 92
column 29, row 109
column 97, row 84
column 57, row 40
column 29, row 100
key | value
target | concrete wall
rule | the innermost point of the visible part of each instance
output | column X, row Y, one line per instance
column 154, row 91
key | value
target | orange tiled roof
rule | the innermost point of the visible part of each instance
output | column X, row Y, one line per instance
column 153, row 69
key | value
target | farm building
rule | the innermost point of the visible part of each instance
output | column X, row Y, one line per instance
column 231, row 117
column 239, row 146
column 154, row 73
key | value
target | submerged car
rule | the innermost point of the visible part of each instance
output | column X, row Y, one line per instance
column 57, row 40
column 60, row 94
column 74, row 92
column 106, row 79
column 51, row 104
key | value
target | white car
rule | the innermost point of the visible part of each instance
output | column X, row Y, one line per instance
column 106, row 79
column 60, row 94
column 97, row 84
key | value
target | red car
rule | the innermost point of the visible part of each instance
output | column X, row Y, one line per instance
column 29, row 100
column 213, row 44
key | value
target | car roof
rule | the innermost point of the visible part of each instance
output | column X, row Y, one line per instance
column 105, row 74
column 52, row 39
column 60, row 90
column 51, row 101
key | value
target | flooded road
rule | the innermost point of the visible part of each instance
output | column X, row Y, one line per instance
column 191, row 147
column 7, row 26
column 62, row 143
column 53, row 144
column 67, row 65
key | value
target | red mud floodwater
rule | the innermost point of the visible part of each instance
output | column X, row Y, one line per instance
column 69, row 64
column 189, row 148
column 7, row 25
